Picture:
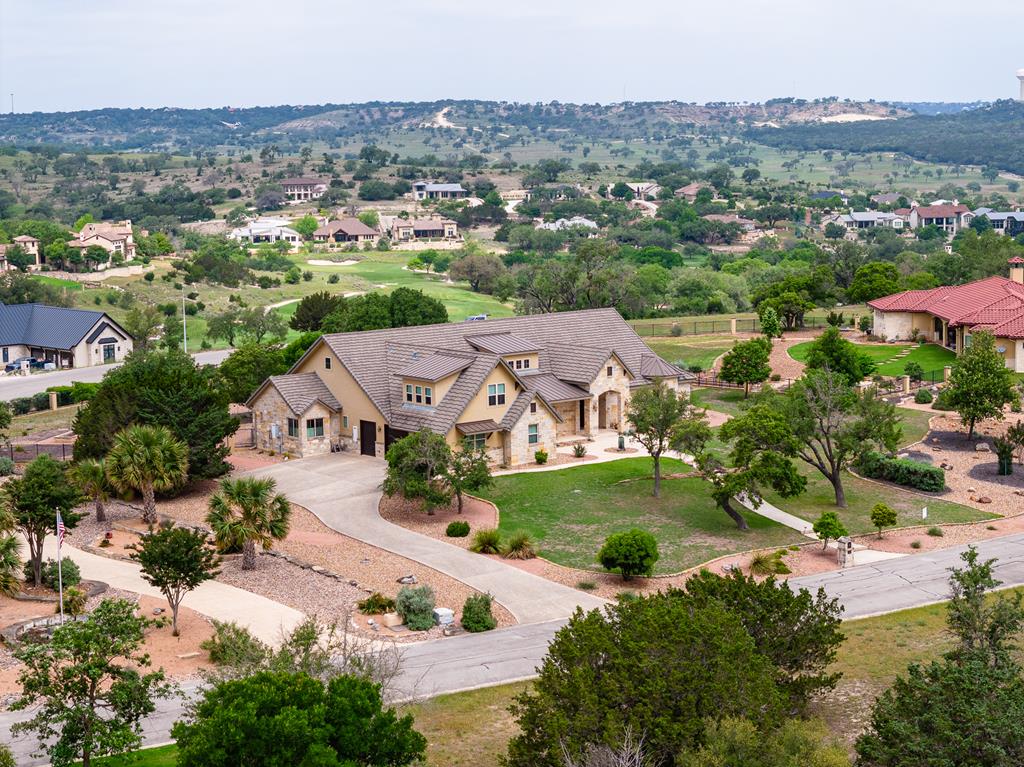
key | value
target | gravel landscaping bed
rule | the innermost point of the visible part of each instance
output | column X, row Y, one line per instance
column 410, row 515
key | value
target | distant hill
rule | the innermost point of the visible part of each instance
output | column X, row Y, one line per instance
column 186, row 129
column 938, row 107
column 989, row 135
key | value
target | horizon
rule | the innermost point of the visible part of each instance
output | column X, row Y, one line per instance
column 537, row 52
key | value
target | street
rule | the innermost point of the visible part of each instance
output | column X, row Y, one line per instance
column 14, row 386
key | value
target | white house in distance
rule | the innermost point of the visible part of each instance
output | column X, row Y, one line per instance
column 868, row 219
column 301, row 189
column 950, row 217
column 113, row 237
column 643, row 189
column 568, row 223
column 424, row 190
column 69, row 338
column 267, row 230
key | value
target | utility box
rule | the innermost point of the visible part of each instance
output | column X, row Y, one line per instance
column 844, row 551
column 443, row 616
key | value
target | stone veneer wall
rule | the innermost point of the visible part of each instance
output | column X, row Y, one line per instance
column 618, row 381
column 521, row 449
column 271, row 408
column 570, row 413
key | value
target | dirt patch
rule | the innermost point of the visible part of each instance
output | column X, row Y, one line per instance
column 410, row 515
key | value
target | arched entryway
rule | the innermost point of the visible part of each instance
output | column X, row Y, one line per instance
column 609, row 410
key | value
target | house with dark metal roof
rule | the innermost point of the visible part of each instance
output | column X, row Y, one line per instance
column 510, row 386
column 424, row 190
column 948, row 315
column 68, row 338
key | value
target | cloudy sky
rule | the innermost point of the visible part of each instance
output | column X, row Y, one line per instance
column 58, row 55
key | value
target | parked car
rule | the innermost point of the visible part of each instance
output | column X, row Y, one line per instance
column 15, row 364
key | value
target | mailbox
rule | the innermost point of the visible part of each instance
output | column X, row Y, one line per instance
column 844, row 551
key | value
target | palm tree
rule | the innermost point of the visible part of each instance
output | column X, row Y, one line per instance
column 246, row 511
column 147, row 459
column 90, row 477
column 10, row 565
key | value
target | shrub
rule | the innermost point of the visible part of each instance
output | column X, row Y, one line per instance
column 586, row 585
column 775, row 377
column 626, row 596
column 416, row 606
column 696, row 369
column 476, row 614
column 72, row 576
column 6, row 466
column 486, row 541
column 541, row 456
column 829, row 528
column 233, row 645
column 83, row 391
column 74, row 601
column 6, row 756
column 914, row 370
column 883, row 515
column 761, row 563
column 915, row 544
column 632, row 552
column 864, row 323
column 903, row 471
column 519, row 546
column 935, row 532
column 41, row 400
column 20, row 405
column 579, row 449
column 149, row 276
column 457, row 529
column 376, row 604
column 923, row 397
column 676, row 331
column 942, row 401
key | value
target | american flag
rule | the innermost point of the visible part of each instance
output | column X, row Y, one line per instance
column 60, row 531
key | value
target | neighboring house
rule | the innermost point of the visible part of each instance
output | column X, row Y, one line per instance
column 300, row 189
column 731, row 218
column 30, row 245
column 643, row 189
column 828, row 194
column 948, row 315
column 267, row 230
column 568, row 223
column 1010, row 223
column 950, row 217
column 886, row 198
column 405, row 230
column 511, row 386
column 346, row 230
column 868, row 219
column 514, row 195
column 689, row 192
column 423, row 190
column 112, row 237
column 69, row 338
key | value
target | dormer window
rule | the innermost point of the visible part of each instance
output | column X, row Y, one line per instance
column 495, row 394
column 417, row 394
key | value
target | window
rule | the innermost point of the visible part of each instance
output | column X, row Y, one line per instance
column 475, row 441
column 419, row 395
column 408, row 392
column 533, row 407
column 293, row 427
column 609, row 371
column 428, row 395
column 327, row 363
column 519, row 364
column 314, row 427
column 344, row 422
column 495, row 394
column 532, row 435
column 526, row 363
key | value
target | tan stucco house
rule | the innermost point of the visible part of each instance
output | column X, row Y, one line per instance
column 511, row 386
column 949, row 314
column 116, row 237
column 69, row 338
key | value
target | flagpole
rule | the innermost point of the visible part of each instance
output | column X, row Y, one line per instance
column 60, row 574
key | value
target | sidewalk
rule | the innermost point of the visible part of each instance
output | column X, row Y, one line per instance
column 266, row 619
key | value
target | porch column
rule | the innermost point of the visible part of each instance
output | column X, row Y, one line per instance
column 732, row 325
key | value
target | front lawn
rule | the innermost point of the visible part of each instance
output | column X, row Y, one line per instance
column 728, row 401
column 571, row 511
column 931, row 357
column 877, row 352
column 694, row 351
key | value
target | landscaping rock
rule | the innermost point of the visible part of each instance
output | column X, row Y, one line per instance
column 443, row 616
column 984, row 499
column 408, row 580
column 391, row 620
column 982, row 447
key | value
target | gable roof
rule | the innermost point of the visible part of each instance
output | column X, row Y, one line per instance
column 941, row 211
column 350, row 226
column 434, row 366
column 50, row 327
column 552, row 388
column 300, row 391
column 503, row 343
column 302, row 181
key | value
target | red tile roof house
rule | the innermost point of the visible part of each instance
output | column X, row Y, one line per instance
column 511, row 386
column 950, row 217
column 948, row 315
column 345, row 231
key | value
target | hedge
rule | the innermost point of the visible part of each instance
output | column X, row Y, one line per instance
column 902, row 471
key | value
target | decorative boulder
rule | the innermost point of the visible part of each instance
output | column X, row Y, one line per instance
column 444, row 616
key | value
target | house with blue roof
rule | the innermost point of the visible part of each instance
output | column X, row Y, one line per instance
column 68, row 338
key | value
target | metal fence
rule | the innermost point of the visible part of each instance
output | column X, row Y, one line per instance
column 710, row 327
column 23, row 452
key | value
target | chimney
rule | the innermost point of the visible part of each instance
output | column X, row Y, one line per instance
column 1017, row 269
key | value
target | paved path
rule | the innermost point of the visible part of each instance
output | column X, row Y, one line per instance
column 13, row 386
column 264, row 617
column 343, row 490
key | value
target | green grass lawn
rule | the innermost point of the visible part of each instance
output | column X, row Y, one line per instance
column 570, row 512
column 162, row 756
column 728, row 401
column 879, row 353
column 931, row 357
column 58, row 283
column 684, row 352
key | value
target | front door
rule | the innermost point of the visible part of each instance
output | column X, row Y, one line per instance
column 581, row 426
column 368, row 437
column 108, row 353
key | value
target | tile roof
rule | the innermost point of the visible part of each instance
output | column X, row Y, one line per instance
column 941, row 211
column 477, row 427
column 430, row 224
column 503, row 343
column 435, row 366
column 653, row 366
column 350, row 226
column 25, row 238
column 300, row 391
column 440, row 187
column 552, row 388
column 301, row 181
column 50, row 327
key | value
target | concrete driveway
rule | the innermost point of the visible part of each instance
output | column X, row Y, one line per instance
column 343, row 490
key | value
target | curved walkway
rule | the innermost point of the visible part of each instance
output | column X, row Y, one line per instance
column 343, row 491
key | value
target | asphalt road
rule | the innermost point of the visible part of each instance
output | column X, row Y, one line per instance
column 14, row 386
column 507, row 655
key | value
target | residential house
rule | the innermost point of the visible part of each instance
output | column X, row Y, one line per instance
column 68, row 338
column 301, row 189
column 1010, row 223
column 116, row 238
column 950, row 217
column 424, row 190
column 948, row 315
column 347, row 230
column 732, row 218
column 568, row 223
column 689, row 192
column 267, row 230
column 510, row 386
column 643, row 189
column 828, row 194
column 868, row 219
column 886, row 198
column 515, row 195
column 31, row 247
